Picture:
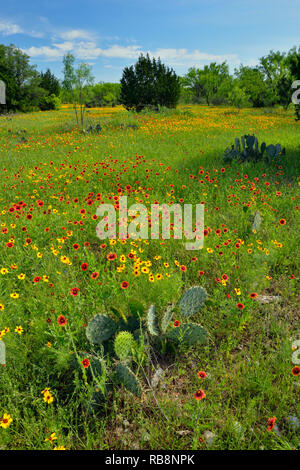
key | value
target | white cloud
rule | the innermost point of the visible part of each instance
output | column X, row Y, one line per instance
column 73, row 34
column 88, row 50
column 7, row 28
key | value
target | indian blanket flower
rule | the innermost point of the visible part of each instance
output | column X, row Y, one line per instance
column 199, row 395
column 271, row 423
column 202, row 375
column 85, row 362
column 296, row 370
column 62, row 321
column 74, row 291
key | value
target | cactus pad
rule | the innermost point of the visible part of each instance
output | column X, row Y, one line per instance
column 123, row 344
column 152, row 321
column 192, row 301
column 126, row 377
column 167, row 316
column 100, row 328
column 189, row 333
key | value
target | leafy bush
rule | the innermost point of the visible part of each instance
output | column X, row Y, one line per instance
column 248, row 150
column 50, row 102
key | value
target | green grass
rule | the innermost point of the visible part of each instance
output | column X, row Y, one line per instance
column 248, row 359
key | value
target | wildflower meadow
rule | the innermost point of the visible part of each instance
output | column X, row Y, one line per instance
column 99, row 350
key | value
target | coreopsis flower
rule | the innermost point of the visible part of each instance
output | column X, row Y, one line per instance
column 19, row 329
column 5, row 421
column 51, row 438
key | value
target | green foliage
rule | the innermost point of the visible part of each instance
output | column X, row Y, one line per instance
column 50, row 83
column 123, row 344
column 237, row 96
column 248, row 150
column 188, row 333
column 192, row 301
column 149, row 83
column 100, row 328
column 26, row 89
column 126, row 377
column 212, row 83
column 103, row 94
column 50, row 102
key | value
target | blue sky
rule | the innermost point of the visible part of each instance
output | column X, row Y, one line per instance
column 110, row 34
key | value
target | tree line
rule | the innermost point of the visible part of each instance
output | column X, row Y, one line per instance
column 149, row 83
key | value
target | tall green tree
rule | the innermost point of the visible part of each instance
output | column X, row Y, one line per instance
column 22, row 81
column 50, row 83
column 251, row 79
column 149, row 83
column 277, row 77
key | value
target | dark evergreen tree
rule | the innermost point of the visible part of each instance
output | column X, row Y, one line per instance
column 149, row 83
column 50, row 83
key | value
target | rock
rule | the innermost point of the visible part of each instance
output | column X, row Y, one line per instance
column 293, row 422
column 157, row 377
column 268, row 299
column 238, row 427
column 209, row 438
column 183, row 433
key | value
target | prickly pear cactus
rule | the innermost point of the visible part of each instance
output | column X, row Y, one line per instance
column 100, row 328
column 123, row 344
column 189, row 334
column 126, row 377
column 167, row 316
column 152, row 321
column 192, row 301
column 256, row 221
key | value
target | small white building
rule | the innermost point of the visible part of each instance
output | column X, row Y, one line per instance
column 2, row 92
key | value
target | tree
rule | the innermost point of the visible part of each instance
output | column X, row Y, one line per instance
column 238, row 97
column 149, row 83
column 277, row 76
column 76, row 83
column 22, row 81
column 251, row 79
column 50, row 83
column 103, row 94
column 211, row 83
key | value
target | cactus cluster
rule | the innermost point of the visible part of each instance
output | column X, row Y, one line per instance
column 119, row 340
column 103, row 330
column 247, row 149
